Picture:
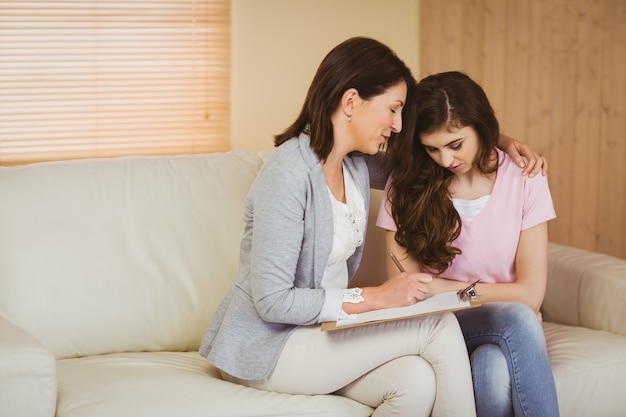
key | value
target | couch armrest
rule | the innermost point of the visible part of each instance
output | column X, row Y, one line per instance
column 585, row 289
column 28, row 383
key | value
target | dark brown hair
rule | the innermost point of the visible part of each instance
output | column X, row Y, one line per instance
column 361, row 63
column 422, row 209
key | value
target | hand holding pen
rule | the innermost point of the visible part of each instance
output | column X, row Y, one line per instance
column 420, row 293
column 467, row 293
column 396, row 261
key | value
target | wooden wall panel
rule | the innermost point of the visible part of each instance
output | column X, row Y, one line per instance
column 539, row 75
column 472, row 20
column 514, row 112
column 494, row 55
column 611, row 184
column 430, row 50
column 451, row 32
column 560, row 142
column 555, row 72
column 587, row 123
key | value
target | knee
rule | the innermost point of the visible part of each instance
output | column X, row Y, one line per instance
column 412, row 371
column 490, row 370
column 448, row 322
column 492, row 384
column 489, row 358
column 512, row 310
column 407, row 385
column 521, row 319
column 411, row 376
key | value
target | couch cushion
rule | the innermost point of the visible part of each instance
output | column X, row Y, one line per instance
column 585, row 289
column 589, row 368
column 28, row 376
column 122, row 254
column 173, row 385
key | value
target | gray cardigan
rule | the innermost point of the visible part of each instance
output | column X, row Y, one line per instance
column 284, row 250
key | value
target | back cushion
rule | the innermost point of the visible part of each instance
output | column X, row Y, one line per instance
column 585, row 289
column 123, row 254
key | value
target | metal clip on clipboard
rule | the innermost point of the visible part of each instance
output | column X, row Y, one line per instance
column 468, row 293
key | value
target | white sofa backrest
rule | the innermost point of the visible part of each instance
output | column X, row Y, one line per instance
column 586, row 289
column 122, row 254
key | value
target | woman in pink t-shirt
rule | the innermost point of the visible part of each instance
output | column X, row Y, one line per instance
column 460, row 209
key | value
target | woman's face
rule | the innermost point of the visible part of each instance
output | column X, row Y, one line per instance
column 374, row 120
column 455, row 151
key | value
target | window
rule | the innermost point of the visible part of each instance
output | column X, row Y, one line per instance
column 109, row 78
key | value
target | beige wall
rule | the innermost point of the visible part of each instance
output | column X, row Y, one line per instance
column 278, row 44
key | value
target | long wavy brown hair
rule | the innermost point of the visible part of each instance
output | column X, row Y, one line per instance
column 362, row 63
column 422, row 207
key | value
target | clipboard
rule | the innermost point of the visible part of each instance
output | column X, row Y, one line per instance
column 436, row 303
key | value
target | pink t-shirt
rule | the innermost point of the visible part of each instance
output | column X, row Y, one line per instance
column 489, row 240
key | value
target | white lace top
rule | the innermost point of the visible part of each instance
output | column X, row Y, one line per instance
column 349, row 227
column 348, row 222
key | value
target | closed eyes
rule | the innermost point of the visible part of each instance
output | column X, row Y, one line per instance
column 455, row 146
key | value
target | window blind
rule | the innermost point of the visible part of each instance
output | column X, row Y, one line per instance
column 83, row 78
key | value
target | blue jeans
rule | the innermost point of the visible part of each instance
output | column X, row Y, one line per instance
column 509, row 359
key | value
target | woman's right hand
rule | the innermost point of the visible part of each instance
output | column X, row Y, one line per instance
column 403, row 289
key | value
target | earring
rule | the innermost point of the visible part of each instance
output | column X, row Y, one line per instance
column 349, row 118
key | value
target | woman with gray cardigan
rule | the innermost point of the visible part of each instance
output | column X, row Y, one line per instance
column 305, row 221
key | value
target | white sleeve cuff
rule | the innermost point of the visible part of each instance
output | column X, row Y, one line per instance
column 332, row 305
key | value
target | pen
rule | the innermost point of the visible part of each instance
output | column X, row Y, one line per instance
column 396, row 261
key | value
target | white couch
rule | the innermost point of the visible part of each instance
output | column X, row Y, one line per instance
column 110, row 270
